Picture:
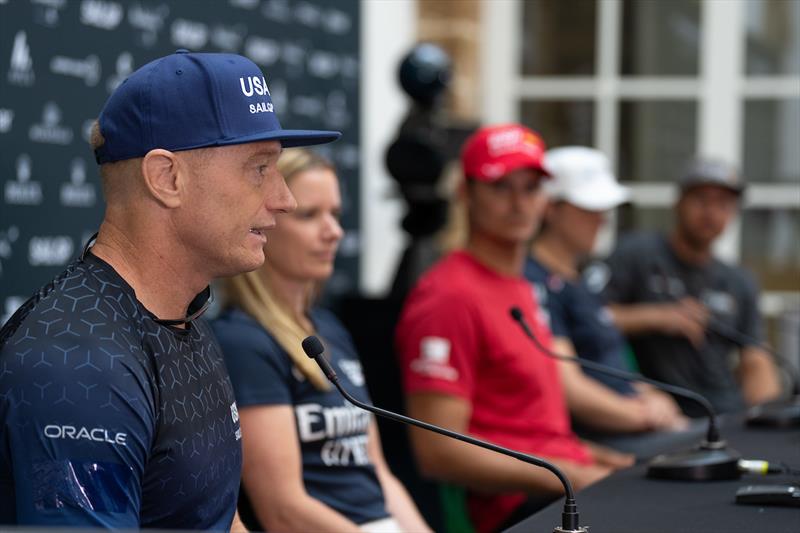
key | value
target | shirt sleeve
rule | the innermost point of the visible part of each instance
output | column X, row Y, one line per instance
column 437, row 340
column 260, row 370
column 78, row 421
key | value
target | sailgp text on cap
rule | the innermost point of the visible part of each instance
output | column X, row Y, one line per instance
column 192, row 100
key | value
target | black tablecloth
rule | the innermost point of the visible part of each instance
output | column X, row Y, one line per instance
column 628, row 502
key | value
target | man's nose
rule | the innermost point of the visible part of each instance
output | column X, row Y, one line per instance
column 281, row 200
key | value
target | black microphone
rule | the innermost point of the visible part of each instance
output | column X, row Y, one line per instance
column 569, row 517
column 712, row 459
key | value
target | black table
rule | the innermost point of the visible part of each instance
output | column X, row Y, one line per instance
column 628, row 502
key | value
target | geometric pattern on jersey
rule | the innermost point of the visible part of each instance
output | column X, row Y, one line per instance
column 91, row 385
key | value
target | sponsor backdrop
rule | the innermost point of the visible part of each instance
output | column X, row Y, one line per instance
column 59, row 61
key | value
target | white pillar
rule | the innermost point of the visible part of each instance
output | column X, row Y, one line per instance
column 720, row 116
column 388, row 31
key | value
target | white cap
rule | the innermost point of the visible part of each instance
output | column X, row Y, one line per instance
column 582, row 176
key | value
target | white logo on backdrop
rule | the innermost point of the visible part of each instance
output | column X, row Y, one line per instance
column 148, row 20
column 7, row 238
column 23, row 191
column 101, row 14
column 228, row 38
column 50, row 250
column 262, row 51
column 336, row 22
column 244, row 4
column 6, row 120
column 21, row 70
column 349, row 67
column 189, row 34
column 12, row 304
column 87, row 69
column 293, row 55
column 277, row 10
column 336, row 112
column 347, row 155
column 50, row 130
column 86, row 130
column 307, row 14
column 323, row 64
column 124, row 69
column 48, row 14
column 77, row 193
column 279, row 94
column 307, row 106
column 350, row 246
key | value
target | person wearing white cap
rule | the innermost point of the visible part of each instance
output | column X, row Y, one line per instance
column 691, row 319
column 582, row 190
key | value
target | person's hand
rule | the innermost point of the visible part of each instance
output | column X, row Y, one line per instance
column 610, row 458
column 661, row 411
column 686, row 317
column 588, row 475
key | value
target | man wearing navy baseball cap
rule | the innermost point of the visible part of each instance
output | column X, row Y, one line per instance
column 117, row 410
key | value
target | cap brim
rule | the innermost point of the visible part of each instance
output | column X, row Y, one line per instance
column 734, row 188
column 602, row 198
column 507, row 169
column 288, row 138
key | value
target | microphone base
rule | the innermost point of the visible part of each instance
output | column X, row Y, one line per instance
column 580, row 529
column 781, row 415
column 707, row 462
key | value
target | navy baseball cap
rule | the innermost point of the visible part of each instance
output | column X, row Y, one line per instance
column 194, row 100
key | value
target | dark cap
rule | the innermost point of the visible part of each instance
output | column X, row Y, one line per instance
column 706, row 171
column 193, row 100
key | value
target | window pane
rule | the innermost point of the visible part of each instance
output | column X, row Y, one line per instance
column 770, row 240
column 656, row 139
column 772, row 140
column 633, row 218
column 558, row 37
column 560, row 122
column 660, row 38
column 773, row 37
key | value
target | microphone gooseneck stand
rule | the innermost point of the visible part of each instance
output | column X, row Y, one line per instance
column 710, row 460
column 569, row 517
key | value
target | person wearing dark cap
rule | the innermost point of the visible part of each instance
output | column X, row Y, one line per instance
column 469, row 367
column 116, row 407
column 678, row 304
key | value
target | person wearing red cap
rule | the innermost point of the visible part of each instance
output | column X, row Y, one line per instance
column 469, row 367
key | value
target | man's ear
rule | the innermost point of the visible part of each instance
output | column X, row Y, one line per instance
column 160, row 169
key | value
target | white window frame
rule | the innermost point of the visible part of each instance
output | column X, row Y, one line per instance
column 720, row 90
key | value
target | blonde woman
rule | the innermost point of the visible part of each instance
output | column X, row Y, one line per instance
column 312, row 462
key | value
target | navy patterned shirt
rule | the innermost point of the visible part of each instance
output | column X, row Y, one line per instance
column 111, row 418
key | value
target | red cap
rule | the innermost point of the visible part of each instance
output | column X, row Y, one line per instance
column 494, row 151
